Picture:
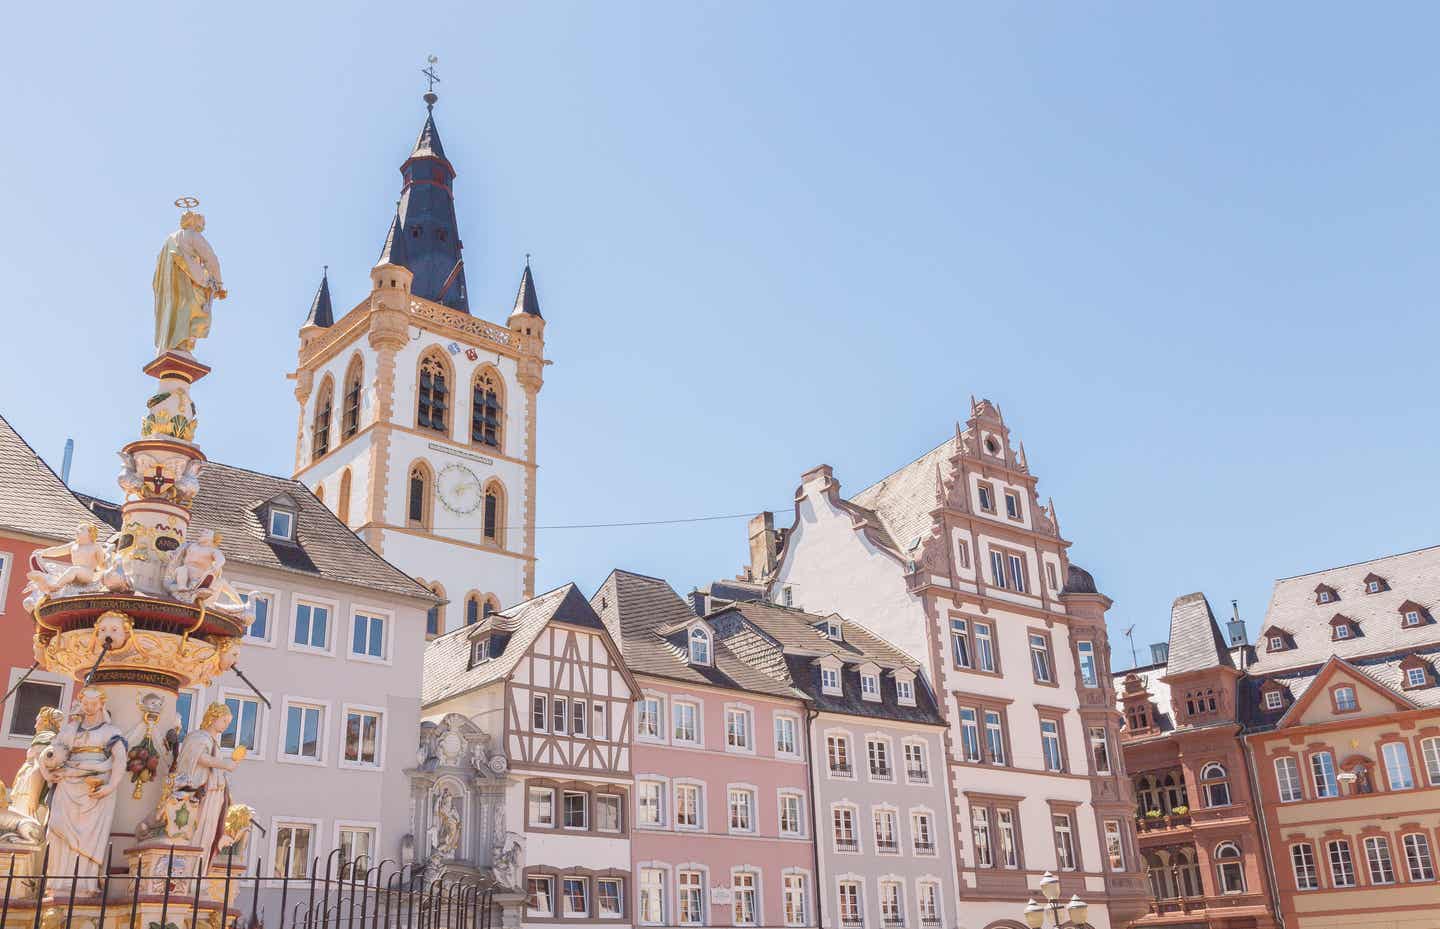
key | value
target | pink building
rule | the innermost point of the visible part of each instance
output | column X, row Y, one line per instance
column 723, row 834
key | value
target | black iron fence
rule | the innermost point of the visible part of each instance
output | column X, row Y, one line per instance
column 331, row 894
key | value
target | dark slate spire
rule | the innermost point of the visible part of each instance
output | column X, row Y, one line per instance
column 321, row 313
column 393, row 251
column 427, row 220
column 525, row 300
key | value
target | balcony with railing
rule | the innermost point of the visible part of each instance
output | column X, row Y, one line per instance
column 881, row 772
column 924, row 848
column 929, row 922
column 843, row 844
column 851, row 921
column 887, row 846
column 841, row 769
column 892, row 921
column 918, row 775
column 1163, row 822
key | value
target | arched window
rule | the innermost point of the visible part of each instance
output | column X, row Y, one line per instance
column 320, row 427
column 487, row 408
column 491, row 605
column 699, row 646
column 472, row 609
column 493, row 526
column 342, row 506
column 350, row 405
column 1216, row 785
column 1230, row 868
column 417, row 497
column 435, row 616
column 1175, row 791
column 320, row 492
column 432, row 403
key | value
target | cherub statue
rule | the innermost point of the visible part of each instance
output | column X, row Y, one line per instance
column 197, row 572
column 187, row 280
column 89, row 563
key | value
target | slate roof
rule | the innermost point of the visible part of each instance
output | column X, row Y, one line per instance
column 427, row 144
column 902, row 501
column 393, row 251
column 35, row 501
column 1384, row 670
column 648, row 619
column 526, row 302
column 447, row 672
column 321, row 312
column 794, row 632
column 1195, row 640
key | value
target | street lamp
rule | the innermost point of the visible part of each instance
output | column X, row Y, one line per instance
column 1074, row 913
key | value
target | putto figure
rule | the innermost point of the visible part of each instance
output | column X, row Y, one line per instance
column 192, row 564
column 88, row 564
column 187, row 280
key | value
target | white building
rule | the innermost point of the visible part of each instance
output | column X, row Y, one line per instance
column 417, row 419
column 954, row 559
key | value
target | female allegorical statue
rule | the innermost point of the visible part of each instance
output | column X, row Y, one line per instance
column 202, row 768
column 187, row 279
column 83, row 805
column 24, row 815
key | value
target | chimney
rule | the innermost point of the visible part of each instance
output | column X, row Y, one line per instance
column 65, row 463
column 1160, row 653
column 1236, row 626
column 762, row 545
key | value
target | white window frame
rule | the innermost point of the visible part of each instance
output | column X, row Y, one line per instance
column 870, row 688
column 661, row 786
column 935, row 893
column 701, row 886
column 849, row 740
column 697, row 711
column 924, row 747
column 835, row 839
column 708, row 659
column 782, row 795
column 1415, row 677
column 1414, row 860
column 289, row 514
column 1406, row 781
column 1340, row 863
column 387, row 618
column 1085, row 648
column 5, row 559
column 757, row 911
column 787, row 893
column 544, row 712
column 1379, row 843
column 535, row 912
column 356, row 825
column 531, row 820
column 794, row 722
column 925, row 815
column 595, row 798
column 661, row 730
column 832, row 684
column 1307, row 873
column 322, row 733
column 379, row 763
column 276, row 823
column 752, row 808
column 600, row 913
column 272, row 615
column 1324, row 775
column 1274, row 700
column 299, row 600
column 892, row 816
column 584, row 796
column 905, row 689
column 1430, row 756
column 1287, row 779
column 262, row 719
column 747, row 712
column 857, row 883
column 888, row 745
column 689, row 784
column 586, row 881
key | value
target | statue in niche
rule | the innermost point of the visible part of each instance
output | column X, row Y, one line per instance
column 88, row 757
column 444, row 825
column 187, row 280
column 23, row 818
column 508, row 860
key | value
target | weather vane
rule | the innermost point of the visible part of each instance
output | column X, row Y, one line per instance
column 429, row 72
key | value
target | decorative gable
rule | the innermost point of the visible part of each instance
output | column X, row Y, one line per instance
column 1325, row 698
column 1342, row 627
column 1413, row 615
column 1375, row 584
column 1324, row 593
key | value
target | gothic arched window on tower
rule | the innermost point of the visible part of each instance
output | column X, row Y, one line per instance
column 320, row 429
column 417, row 499
column 494, row 524
column 350, row 410
column 486, row 408
column 433, row 394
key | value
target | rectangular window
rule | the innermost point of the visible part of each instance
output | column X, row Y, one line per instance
column 1397, row 765
column 597, row 731
column 303, row 725
column 30, row 697
column 542, row 807
column 987, row 498
column 312, row 625
column 607, row 813
column 837, row 750
column 1302, row 861
column 1345, row 700
column 1100, row 749
column 917, row 770
column 259, row 627
column 1089, row 676
column 687, row 806
column 869, row 687
column 1417, row 857
column 1377, row 857
column 575, row 806
column 1114, row 845
column 984, row 647
column 1050, row 745
column 576, row 893
column 1430, row 750
column 742, row 810
column 994, row 737
column 607, row 897
column 921, row 834
column 357, row 846
column 559, row 715
column 980, row 826
column 1064, row 841
column 1012, row 505
column 244, row 723
column 294, row 844
column 905, row 692
column 849, row 892
column 367, row 637
column 652, row 896
column 791, row 815
column 362, row 737
column 1051, row 576
column 1322, row 772
column 892, row 908
column 184, row 710
column 929, row 905
column 960, row 642
column 650, row 803
column 1342, row 866
column 539, row 712
column 969, row 735
column 830, row 680
column 540, row 896
column 1040, row 663
column 692, row 897
column 578, row 714
column 793, row 888
column 684, row 716
column 887, row 841
column 1009, row 838
column 997, row 569
column 1287, row 778
column 785, row 736
column 647, row 719
column 1016, row 564
column 737, row 729
column 879, row 753
column 743, row 896
column 843, row 818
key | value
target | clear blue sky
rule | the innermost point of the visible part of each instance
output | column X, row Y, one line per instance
column 1191, row 252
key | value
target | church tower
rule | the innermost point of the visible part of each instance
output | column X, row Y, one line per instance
column 417, row 419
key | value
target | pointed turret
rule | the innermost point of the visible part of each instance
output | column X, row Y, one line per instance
column 425, row 237
column 393, row 251
column 322, row 314
column 526, row 302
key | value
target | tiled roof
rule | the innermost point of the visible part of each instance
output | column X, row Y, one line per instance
column 447, row 670
column 902, row 501
column 1411, row 576
column 1195, row 640
column 639, row 610
column 1384, row 670
column 34, row 500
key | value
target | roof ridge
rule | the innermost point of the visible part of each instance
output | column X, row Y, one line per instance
column 908, row 464
column 1356, row 564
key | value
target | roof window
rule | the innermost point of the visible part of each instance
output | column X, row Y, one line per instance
column 281, row 524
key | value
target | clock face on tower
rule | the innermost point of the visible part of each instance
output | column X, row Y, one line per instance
column 458, row 488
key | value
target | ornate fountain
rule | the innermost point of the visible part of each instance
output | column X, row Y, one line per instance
column 110, row 803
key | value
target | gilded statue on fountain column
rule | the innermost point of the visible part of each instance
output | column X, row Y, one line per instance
column 187, row 280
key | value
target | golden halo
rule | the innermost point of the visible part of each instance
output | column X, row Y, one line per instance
column 187, row 203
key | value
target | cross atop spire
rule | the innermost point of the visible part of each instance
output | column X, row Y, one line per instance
column 433, row 78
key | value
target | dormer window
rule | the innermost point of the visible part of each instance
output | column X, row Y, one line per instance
column 1325, row 594
column 1413, row 615
column 905, row 691
column 1277, row 639
column 870, row 687
column 1342, row 631
column 1416, row 677
column 833, row 631
column 1277, row 643
column 1342, row 628
column 830, row 681
column 479, row 651
column 699, row 646
column 282, row 525
column 1274, row 700
column 1415, row 672
column 1374, row 584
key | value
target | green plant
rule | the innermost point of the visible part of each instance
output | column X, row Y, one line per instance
column 1180, row 810
column 1152, row 814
